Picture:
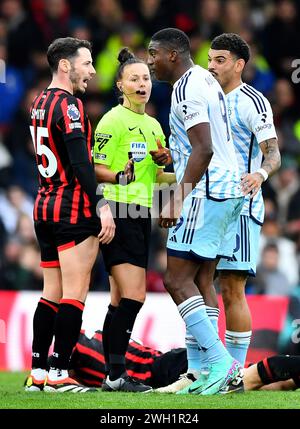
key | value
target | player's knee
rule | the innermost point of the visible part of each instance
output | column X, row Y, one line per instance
column 171, row 284
column 232, row 294
column 138, row 294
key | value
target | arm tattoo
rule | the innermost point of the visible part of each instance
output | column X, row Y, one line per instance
column 271, row 153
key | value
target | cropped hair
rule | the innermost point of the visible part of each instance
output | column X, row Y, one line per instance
column 172, row 38
column 65, row 48
column 234, row 43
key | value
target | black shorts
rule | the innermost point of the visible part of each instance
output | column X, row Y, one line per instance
column 54, row 237
column 167, row 368
column 132, row 236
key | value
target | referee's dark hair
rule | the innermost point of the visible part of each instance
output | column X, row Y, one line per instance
column 65, row 48
column 172, row 38
column 234, row 43
column 125, row 58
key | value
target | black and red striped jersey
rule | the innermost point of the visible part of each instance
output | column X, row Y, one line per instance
column 57, row 118
column 88, row 360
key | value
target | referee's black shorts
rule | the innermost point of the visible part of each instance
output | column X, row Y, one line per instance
column 53, row 237
column 132, row 236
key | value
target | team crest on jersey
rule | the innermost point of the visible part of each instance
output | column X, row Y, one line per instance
column 138, row 150
column 73, row 113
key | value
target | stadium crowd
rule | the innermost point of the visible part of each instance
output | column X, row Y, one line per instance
column 26, row 29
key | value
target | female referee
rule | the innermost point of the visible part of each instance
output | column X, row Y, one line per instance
column 126, row 135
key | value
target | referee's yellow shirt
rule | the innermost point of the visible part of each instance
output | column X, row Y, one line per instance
column 121, row 131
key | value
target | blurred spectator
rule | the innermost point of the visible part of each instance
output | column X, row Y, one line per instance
column 282, row 38
column 106, row 63
column 209, row 19
column 52, row 20
column 25, row 273
column 11, row 92
column 20, row 32
column 257, row 71
column 152, row 15
column 12, row 205
column 183, row 15
column 105, row 17
column 287, row 116
column 272, row 233
column 6, row 163
column 235, row 16
column 19, row 141
column 270, row 280
column 9, row 265
column 25, row 229
column 285, row 184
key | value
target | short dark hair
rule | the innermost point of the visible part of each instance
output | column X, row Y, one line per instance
column 65, row 48
column 125, row 58
column 173, row 39
column 234, row 43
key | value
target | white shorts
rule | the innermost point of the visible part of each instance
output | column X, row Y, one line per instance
column 206, row 228
column 246, row 248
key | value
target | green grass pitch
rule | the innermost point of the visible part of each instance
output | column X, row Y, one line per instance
column 12, row 396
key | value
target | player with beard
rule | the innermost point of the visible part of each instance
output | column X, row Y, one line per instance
column 66, row 213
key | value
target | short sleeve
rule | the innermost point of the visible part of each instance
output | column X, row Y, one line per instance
column 107, row 137
column 193, row 111
column 260, row 120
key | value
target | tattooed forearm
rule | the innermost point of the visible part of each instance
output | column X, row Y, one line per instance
column 272, row 159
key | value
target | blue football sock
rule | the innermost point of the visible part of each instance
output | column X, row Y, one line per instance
column 199, row 325
column 237, row 344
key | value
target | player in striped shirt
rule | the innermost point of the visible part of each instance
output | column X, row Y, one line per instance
column 208, row 200
column 159, row 369
column 254, row 136
column 256, row 146
column 66, row 212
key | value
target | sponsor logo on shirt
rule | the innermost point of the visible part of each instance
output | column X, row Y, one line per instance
column 73, row 125
column 190, row 116
column 101, row 156
column 72, row 112
column 263, row 127
column 102, row 136
column 102, row 139
column 264, row 117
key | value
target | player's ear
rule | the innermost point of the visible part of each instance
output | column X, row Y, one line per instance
column 64, row 64
column 173, row 55
column 240, row 64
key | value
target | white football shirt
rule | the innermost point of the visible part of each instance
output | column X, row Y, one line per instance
column 197, row 98
column 251, row 121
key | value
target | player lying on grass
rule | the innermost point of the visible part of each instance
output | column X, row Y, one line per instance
column 162, row 369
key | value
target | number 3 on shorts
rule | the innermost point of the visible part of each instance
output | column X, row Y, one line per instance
column 41, row 149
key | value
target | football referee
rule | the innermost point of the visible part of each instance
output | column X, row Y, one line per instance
column 124, row 137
